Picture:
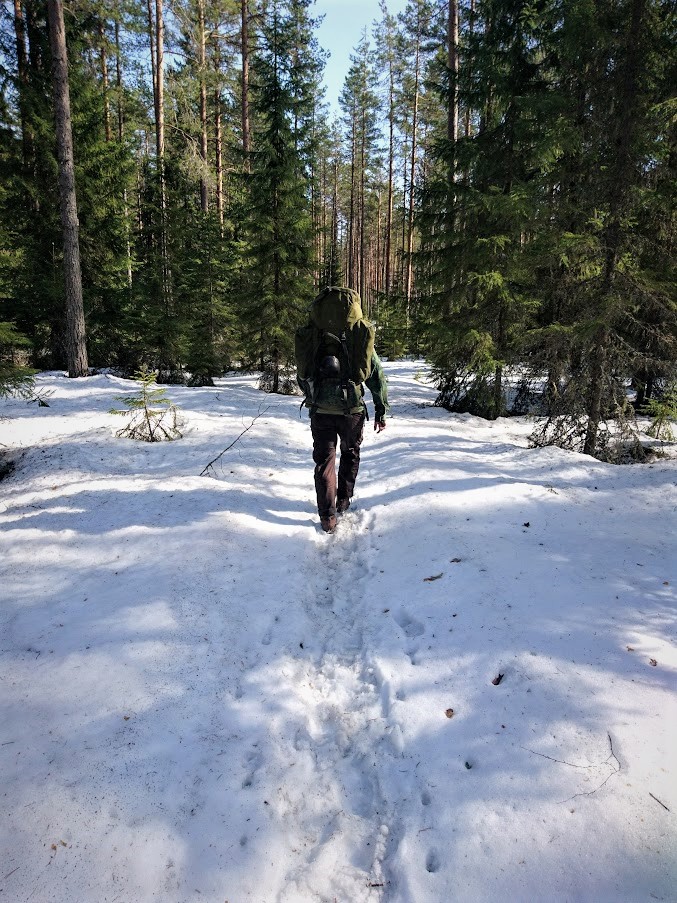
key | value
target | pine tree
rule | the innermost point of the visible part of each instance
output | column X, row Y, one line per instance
column 359, row 103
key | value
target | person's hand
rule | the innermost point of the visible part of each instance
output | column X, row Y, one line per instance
column 379, row 425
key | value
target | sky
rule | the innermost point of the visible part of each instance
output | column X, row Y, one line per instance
column 340, row 32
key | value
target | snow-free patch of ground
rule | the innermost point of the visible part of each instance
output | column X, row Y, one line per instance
column 204, row 698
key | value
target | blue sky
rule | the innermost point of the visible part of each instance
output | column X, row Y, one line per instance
column 340, row 32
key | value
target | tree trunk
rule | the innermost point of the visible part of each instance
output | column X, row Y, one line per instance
column 363, row 266
column 153, row 64
column 160, row 86
column 202, row 56
column 76, row 349
column 351, row 215
column 412, row 183
column 157, row 43
column 218, row 150
column 596, row 391
column 391, row 179
column 22, row 71
column 621, row 181
column 246, row 145
column 452, row 62
column 471, row 31
column 104, row 82
column 118, row 74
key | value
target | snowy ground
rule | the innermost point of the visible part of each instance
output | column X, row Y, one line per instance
column 204, row 698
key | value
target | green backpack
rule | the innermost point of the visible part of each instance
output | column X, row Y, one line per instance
column 336, row 329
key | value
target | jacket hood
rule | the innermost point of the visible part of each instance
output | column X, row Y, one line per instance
column 336, row 309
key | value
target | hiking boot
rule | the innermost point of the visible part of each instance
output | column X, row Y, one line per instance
column 342, row 505
column 328, row 524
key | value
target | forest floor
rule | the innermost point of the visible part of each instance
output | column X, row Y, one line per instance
column 205, row 698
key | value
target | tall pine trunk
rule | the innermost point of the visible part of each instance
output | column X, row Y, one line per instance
column 156, row 32
column 202, row 60
column 412, row 184
column 76, row 350
column 22, row 71
column 244, row 41
column 104, row 81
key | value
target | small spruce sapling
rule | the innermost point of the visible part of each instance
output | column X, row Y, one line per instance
column 152, row 416
column 663, row 411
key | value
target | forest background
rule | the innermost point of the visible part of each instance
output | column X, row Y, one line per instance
column 498, row 184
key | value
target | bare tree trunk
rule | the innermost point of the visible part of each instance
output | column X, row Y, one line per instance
column 412, row 185
column 158, row 84
column 452, row 117
column 363, row 266
column 202, row 59
column 218, row 150
column 76, row 349
column 391, row 178
column 22, row 70
column 104, row 82
column 351, row 216
column 471, row 30
column 120, row 121
column 334, row 221
column 118, row 75
column 246, row 140
column 218, row 133
column 153, row 64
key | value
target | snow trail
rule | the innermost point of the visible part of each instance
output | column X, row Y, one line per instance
column 204, row 698
column 344, row 734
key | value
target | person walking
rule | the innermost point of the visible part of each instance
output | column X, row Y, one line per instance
column 335, row 358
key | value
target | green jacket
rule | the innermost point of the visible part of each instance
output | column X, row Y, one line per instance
column 378, row 386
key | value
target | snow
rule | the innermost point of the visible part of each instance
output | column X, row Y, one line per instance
column 205, row 698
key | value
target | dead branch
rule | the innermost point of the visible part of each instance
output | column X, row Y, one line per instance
column 610, row 760
column 658, row 801
column 221, row 454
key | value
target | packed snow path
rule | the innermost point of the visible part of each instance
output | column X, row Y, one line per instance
column 204, row 698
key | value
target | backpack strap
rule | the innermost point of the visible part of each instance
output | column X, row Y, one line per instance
column 345, row 372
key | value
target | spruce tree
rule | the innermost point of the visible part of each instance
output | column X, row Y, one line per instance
column 480, row 233
column 279, row 225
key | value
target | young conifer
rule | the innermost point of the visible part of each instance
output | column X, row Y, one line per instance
column 152, row 416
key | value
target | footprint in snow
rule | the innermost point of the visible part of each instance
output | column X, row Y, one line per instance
column 253, row 761
column 410, row 625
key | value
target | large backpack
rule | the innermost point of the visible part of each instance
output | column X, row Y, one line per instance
column 336, row 329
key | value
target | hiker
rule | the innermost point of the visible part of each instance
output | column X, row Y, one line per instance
column 334, row 356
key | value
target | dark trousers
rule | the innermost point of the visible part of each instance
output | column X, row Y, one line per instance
column 325, row 429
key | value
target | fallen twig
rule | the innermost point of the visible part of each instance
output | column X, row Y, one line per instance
column 612, row 757
column 658, row 801
column 221, row 454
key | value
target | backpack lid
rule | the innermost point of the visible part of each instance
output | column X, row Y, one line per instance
column 336, row 309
